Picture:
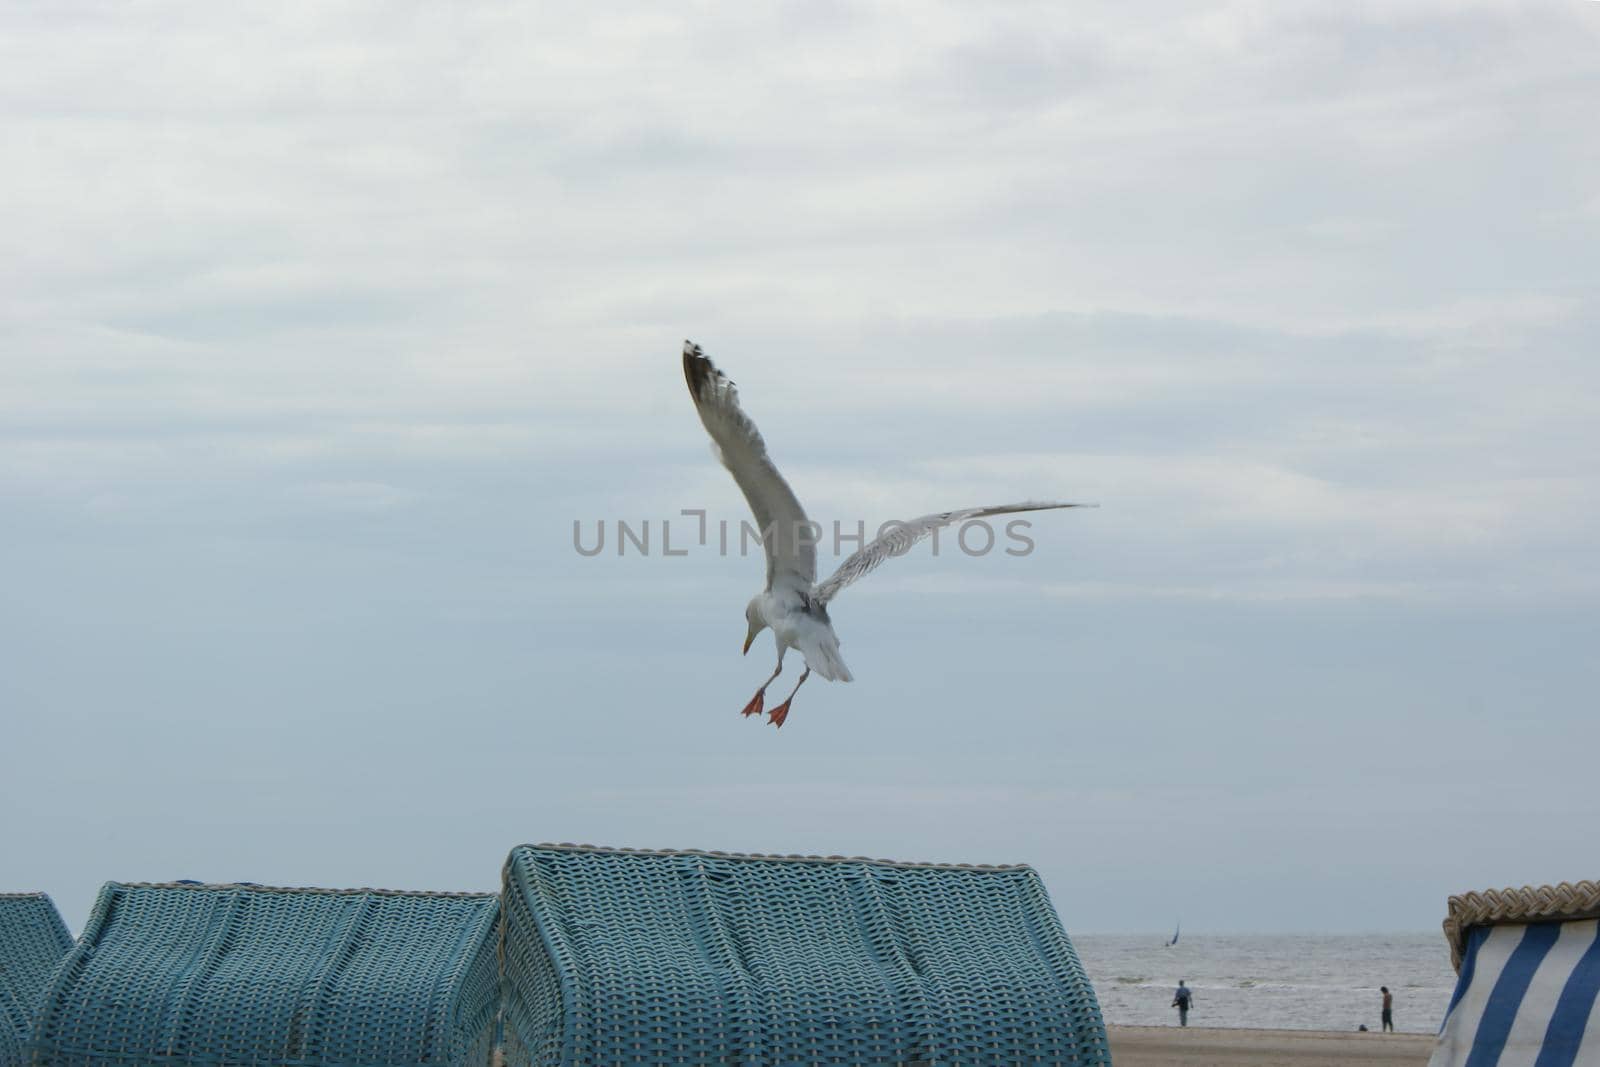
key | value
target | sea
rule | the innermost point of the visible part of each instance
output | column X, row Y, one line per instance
column 1271, row 981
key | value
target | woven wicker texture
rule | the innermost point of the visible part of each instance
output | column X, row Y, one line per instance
column 33, row 939
column 619, row 957
column 233, row 975
column 1544, row 903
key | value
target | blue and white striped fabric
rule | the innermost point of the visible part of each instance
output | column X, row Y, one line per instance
column 1525, row 997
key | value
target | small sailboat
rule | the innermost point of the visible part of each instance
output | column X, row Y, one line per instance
column 1175, row 934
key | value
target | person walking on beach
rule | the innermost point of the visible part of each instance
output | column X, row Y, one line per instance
column 1388, row 1009
column 1181, row 999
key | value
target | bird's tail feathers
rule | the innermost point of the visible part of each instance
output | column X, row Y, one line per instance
column 821, row 651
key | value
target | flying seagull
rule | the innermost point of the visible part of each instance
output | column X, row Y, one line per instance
column 793, row 605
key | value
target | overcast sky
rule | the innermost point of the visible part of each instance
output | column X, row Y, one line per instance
column 320, row 325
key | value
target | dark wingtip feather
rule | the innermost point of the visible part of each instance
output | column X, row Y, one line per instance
column 698, row 371
column 694, row 371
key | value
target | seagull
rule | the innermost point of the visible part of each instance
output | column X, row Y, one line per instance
column 793, row 606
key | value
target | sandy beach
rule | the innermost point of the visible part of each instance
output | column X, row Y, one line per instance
column 1170, row 1046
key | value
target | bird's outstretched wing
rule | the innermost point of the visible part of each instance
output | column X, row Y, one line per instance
column 898, row 539
column 787, row 535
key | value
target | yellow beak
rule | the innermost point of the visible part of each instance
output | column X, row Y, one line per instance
column 748, row 641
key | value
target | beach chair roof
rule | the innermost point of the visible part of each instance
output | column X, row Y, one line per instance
column 33, row 939
column 1543, row 903
column 1528, row 977
column 682, row 956
column 244, row 974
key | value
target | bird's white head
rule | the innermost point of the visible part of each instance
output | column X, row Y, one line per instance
column 757, row 621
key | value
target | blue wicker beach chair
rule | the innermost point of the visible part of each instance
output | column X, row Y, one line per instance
column 225, row 975
column 33, row 939
column 624, row 957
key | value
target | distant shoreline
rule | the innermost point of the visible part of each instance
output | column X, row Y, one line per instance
column 1194, row 1046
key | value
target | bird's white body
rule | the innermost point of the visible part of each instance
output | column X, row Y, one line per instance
column 808, row 630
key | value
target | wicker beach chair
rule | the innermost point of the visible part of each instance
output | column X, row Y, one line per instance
column 1527, row 978
column 225, row 975
column 628, row 957
column 33, row 939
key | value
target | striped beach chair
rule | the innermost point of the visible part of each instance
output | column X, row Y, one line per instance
column 222, row 975
column 33, row 939
column 615, row 956
column 1528, row 975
